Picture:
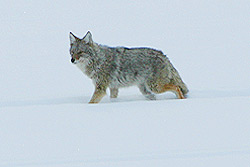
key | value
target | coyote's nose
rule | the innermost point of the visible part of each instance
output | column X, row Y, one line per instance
column 72, row 60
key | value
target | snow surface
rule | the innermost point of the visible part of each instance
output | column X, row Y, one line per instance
column 45, row 120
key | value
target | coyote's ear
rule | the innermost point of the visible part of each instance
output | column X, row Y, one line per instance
column 72, row 38
column 88, row 38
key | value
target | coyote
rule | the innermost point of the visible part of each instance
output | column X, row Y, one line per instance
column 117, row 67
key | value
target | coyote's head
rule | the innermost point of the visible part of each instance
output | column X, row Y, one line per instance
column 81, row 49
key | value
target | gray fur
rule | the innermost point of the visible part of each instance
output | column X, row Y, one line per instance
column 117, row 67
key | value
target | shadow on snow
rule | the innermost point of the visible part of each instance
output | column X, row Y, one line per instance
column 193, row 94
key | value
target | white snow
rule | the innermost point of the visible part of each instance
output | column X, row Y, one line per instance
column 45, row 120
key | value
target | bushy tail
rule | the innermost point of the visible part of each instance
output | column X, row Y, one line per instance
column 176, row 79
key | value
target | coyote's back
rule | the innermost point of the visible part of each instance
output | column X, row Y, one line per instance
column 149, row 69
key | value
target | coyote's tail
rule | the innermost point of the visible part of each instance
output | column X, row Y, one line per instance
column 176, row 79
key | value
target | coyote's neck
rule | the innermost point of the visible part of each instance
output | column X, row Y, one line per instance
column 92, row 65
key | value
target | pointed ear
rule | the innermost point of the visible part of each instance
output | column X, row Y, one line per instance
column 88, row 38
column 72, row 38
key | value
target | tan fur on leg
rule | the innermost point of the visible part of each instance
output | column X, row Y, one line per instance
column 168, row 87
column 175, row 89
column 99, row 93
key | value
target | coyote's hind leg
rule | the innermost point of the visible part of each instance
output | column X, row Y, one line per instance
column 175, row 89
column 161, row 88
column 113, row 92
column 146, row 92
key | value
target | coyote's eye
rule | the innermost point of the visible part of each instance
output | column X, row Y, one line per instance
column 80, row 52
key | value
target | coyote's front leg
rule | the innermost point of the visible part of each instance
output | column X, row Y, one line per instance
column 100, row 92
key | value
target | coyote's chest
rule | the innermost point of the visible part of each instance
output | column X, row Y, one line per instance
column 86, row 68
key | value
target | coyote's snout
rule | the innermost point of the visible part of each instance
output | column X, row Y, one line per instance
column 117, row 67
column 72, row 60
